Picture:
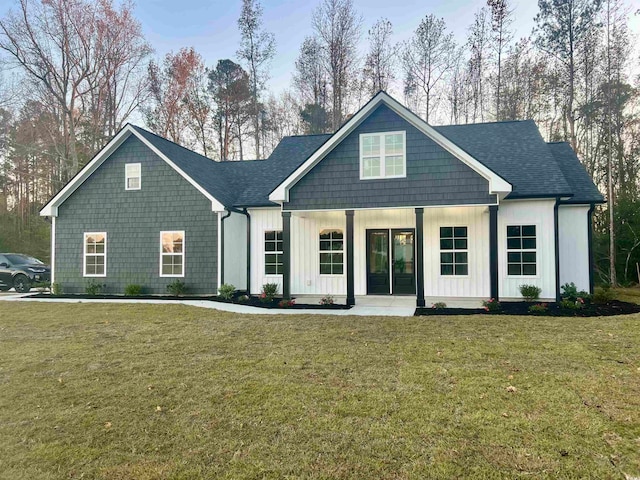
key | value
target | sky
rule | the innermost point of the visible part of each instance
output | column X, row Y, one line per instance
column 211, row 27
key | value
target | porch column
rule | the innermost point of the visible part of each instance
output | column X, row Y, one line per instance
column 493, row 250
column 286, row 255
column 351, row 299
column 420, row 257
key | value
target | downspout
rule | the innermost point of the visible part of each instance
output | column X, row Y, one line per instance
column 245, row 212
column 222, row 219
column 556, row 231
column 590, row 247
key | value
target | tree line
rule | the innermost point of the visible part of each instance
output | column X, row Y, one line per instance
column 73, row 72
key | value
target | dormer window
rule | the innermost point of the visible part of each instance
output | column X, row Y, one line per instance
column 382, row 155
column 133, row 172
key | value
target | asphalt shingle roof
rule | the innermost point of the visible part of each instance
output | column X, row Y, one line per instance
column 514, row 150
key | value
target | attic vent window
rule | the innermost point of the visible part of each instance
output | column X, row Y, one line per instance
column 383, row 155
column 133, row 172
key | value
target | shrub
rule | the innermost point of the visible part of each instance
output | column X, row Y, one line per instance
column 492, row 305
column 567, row 304
column 327, row 300
column 530, row 292
column 603, row 294
column 226, row 291
column 93, row 287
column 439, row 305
column 570, row 292
column 42, row 286
column 538, row 308
column 268, row 292
column 286, row 303
column 133, row 290
column 243, row 298
column 177, row 288
column 56, row 288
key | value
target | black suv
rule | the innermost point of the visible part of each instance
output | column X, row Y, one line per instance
column 21, row 271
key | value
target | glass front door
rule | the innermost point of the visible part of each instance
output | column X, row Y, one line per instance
column 390, row 262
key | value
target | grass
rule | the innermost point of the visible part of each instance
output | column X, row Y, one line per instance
column 168, row 391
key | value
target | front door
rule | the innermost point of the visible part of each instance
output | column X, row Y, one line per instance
column 378, row 262
column 390, row 262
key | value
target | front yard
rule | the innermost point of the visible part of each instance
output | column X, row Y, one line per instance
column 166, row 391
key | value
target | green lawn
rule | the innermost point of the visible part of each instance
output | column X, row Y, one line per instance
column 154, row 391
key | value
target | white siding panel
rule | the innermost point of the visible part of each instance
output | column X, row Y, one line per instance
column 235, row 250
column 262, row 220
column 477, row 282
column 528, row 212
column 574, row 245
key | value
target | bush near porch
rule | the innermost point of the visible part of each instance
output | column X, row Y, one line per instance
column 168, row 391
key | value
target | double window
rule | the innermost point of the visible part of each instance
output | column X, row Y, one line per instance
column 133, row 174
column 521, row 250
column 331, row 252
column 172, row 254
column 382, row 155
column 95, row 254
column 273, row 252
column 454, row 251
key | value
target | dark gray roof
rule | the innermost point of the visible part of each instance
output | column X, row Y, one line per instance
column 584, row 191
column 515, row 150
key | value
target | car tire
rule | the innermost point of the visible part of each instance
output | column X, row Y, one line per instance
column 21, row 283
column 5, row 288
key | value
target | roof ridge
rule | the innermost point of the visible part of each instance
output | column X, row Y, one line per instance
column 485, row 123
column 172, row 142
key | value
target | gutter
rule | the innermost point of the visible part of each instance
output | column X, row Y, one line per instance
column 590, row 247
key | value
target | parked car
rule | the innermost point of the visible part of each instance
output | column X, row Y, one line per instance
column 22, row 272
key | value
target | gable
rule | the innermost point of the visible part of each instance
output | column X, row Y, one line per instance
column 51, row 208
column 434, row 176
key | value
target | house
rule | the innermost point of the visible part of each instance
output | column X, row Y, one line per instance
column 387, row 205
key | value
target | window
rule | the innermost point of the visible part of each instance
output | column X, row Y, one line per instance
column 133, row 172
column 331, row 252
column 172, row 254
column 273, row 252
column 521, row 250
column 382, row 155
column 454, row 254
column 95, row 254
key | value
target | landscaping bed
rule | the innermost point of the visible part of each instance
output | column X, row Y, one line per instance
column 251, row 301
column 613, row 307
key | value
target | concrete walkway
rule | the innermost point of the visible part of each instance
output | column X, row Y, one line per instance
column 405, row 309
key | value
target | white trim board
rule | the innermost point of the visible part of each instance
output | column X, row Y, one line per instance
column 51, row 208
column 497, row 184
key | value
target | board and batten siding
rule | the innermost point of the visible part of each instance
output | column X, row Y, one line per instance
column 477, row 283
column 306, row 228
column 528, row 212
column 133, row 220
column 573, row 221
column 235, row 250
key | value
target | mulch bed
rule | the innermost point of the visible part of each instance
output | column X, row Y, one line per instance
column 614, row 307
column 252, row 302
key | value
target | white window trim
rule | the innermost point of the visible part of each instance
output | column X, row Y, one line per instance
column 383, row 158
column 454, row 251
column 264, row 251
column 526, row 250
column 84, row 254
column 127, row 177
column 343, row 252
column 184, row 248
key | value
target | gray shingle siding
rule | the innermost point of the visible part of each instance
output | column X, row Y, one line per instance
column 133, row 221
column 434, row 176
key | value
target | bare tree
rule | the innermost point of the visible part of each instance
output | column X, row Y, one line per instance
column 562, row 25
column 501, row 18
column 427, row 57
column 257, row 48
column 379, row 64
column 337, row 26
column 477, row 44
